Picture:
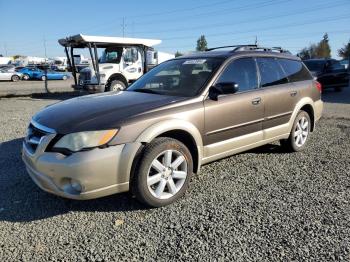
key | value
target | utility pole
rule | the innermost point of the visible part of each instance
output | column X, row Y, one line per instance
column 123, row 26
column 45, row 68
column 132, row 28
column 45, row 47
column 5, row 47
column 256, row 40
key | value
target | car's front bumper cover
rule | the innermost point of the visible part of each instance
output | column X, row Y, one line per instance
column 98, row 172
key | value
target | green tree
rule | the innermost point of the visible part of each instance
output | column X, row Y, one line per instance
column 308, row 52
column 202, row 44
column 344, row 52
column 323, row 49
column 177, row 54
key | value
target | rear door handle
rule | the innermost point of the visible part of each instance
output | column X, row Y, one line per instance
column 256, row 101
column 293, row 93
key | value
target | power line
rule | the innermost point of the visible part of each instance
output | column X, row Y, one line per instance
column 329, row 19
column 142, row 16
column 264, row 18
column 275, row 37
column 192, row 16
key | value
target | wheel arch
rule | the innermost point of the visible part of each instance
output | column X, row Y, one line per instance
column 181, row 130
column 306, row 104
column 117, row 76
column 309, row 109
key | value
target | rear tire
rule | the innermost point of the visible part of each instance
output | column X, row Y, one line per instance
column 300, row 133
column 162, row 173
column 64, row 78
column 15, row 78
column 43, row 78
column 115, row 85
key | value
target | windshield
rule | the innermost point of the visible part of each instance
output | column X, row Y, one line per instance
column 111, row 55
column 317, row 66
column 180, row 77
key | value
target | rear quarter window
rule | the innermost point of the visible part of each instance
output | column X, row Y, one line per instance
column 295, row 70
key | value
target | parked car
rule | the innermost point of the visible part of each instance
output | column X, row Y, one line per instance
column 28, row 72
column 182, row 114
column 345, row 63
column 8, row 66
column 36, row 73
column 10, row 74
column 329, row 72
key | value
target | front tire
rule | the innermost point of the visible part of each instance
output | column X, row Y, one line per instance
column 64, row 78
column 163, row 172
column 43, row 78
column 300, row 133
column 26, row 77
column 115, row 85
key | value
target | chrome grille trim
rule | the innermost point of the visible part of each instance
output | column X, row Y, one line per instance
column 43, row 128
column 36, row 134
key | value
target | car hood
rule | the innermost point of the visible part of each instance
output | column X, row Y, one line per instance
column 101, row 111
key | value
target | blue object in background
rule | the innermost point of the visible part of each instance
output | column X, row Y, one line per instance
column 36, row 73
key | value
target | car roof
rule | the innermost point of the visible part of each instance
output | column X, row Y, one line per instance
column 229, row 53
column 319, row 59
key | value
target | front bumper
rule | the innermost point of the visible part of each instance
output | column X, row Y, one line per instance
column 91, row 88
column 98, row 172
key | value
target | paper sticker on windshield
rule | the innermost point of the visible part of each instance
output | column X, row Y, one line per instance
column 194, row 62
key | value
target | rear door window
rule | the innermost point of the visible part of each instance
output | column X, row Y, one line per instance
column 295, row 70
column 243, row 72
column 336, row 65
column 271, row 72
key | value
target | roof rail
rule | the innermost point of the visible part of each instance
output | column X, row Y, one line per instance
column 227, row 46
column 250, row 48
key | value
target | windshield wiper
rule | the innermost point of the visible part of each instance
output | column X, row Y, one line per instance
column 150, row 91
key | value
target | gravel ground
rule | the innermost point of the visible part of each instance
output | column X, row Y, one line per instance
column 34, row 86
column 261, row 205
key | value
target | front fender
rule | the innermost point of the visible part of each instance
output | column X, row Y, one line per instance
column 159, row 128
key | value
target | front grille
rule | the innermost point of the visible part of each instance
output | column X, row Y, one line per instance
column 84, row 77
column 33, row 137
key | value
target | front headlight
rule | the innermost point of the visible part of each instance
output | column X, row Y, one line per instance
column 88, row 139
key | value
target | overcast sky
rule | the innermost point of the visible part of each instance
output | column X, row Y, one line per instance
column 291, row 24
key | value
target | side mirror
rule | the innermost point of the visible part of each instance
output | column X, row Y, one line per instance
column 224, row 88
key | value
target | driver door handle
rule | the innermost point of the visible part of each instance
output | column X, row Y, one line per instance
column 256, row 101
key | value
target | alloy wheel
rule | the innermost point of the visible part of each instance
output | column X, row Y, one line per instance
column 117, row 87
column 167, row 174
column 301, row 131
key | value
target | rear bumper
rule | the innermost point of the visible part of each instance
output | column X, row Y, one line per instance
column 318, row 109
column 96, row 173
column 90, row 88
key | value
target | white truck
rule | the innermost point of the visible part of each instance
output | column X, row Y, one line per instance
column 122, row 62
column 5, row 60
column 60, row 63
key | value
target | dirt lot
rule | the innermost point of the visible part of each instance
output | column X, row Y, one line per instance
column 265, row 204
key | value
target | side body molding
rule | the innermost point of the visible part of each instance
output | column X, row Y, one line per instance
column 173, row 124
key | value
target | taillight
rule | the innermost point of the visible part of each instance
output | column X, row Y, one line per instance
column 318, row 86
